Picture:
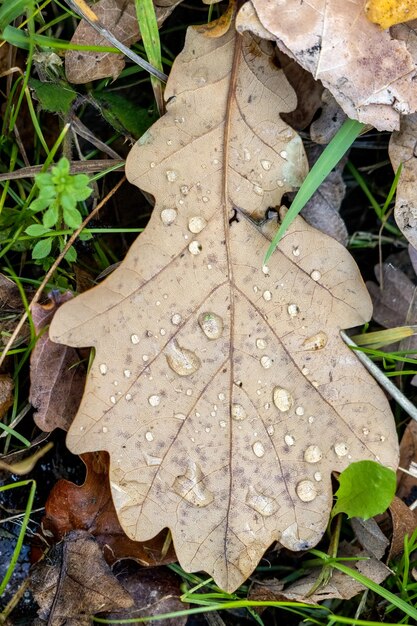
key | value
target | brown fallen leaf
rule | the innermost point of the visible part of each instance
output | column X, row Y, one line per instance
column 340, row 585
column 370, row 536
column 25, row 465
column 90, row 507
column 6, row 394
column 57, row 376
column 222, row 389
column 11, row 307
column 119, row 16
column 404, row 522
column 155, row 591
column 74, row 582
column 408, row 454
column 392, row 301
column 370, row 74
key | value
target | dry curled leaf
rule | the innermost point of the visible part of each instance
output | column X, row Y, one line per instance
column 407, row 485
column 404, row 523
column 222, row 389
column 56, row 374
column 371, row 75
column 370, row 536
column 6, row 394
column 90, row 507
column 74, row 582
column 119, row 16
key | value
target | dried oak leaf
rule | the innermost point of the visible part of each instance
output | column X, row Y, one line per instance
column 119, row 16
column 90, row 507
column 371, row 75
column 56, row 375
column 222, row 389
column 74, row 582
column 340, row 585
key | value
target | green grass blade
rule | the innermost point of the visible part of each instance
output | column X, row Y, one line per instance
column 329, row 158
column 148, row 25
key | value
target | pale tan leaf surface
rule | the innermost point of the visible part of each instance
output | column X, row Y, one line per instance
column 222, row 389
column 119, row 16
column 371, row 75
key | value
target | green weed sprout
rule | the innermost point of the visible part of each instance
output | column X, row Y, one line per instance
column 59, row 193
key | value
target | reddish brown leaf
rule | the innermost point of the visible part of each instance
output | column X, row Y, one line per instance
column 6, row 394
column 57, row 377
column 404, row 522
column 74, row 582
column 90, row 507
column 408, row 455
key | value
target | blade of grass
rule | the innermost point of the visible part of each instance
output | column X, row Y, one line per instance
column 145, row 12
column 330, row 156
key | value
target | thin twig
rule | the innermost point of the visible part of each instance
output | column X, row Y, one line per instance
column 76, row 167
column 381, row 378
column 54, row 266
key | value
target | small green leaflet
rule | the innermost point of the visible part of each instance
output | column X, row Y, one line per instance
column 365, row 489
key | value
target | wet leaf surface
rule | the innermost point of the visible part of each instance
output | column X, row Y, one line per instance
column 57, row 375
column 90, row 507
column 221, row 388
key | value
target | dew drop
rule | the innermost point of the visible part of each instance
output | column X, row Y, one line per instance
column 311, row 419
column 195, row 247
column 185, row 190
column 205, row 199
column 134, row 339
column 280, row 183
column 168, row 216
column 306, row 491
column 221, row 396
column 189, row 392
column 267, row 296
column 162, row 332
column 262, row 504
column 341, row 449
column 299, row 411
column 313, row 454
column 238, row 412
column 296, row 251
column 365, row 431
column 315, row 275
column 113, row 399
column 222, row 424
column 191, row 487
column 318, row 476
column 196, row 224
column 182, row 361
column 105, row 429
column 315, row 342
column 261, row 344
column 258, row 190
column 128, row 397
column 266, row 164
column 103, row 369
column 289, row 440
column 179, row 120
column 266, row 362
column 171, row 175
column 293, row 310
column 152, row 164
column 145, row 358
column 154, row 400
column 265, row 270
column 127, row 373
column 283, row 154
column 149, row 436
column 282, row 398
column 152, row 460
column 270, row 430
column 305, row 371
column 258, row 449
column 246, row 154
column 211, row 324
column 180, row 416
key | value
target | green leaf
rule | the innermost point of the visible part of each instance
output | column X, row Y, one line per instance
column 39, row 204
column 123, row 114
column 51, row 216
column 68, row 202
column 54, row 97
column 44, row 179
column 81, row 193
column 72, row 217
column 11, row 10
column 36, row 230
column 365, row 489
column 42, row 248
column 71, row 255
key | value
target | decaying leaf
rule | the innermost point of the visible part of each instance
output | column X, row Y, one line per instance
column 340, row 585
column 6, row 394
column 74, row 582
column 11, row 307
column 371, row 75
column 56, row 375
column 25, row 465
column 370, row 536
column 90, row 507
column 155, row 591
column 407, row 485
column 404, row 522
column 119, row 16
column 221, row 388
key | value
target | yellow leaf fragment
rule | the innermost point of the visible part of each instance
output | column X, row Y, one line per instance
column 386, row 13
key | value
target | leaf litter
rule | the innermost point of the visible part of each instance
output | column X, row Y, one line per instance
column 221, row 388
